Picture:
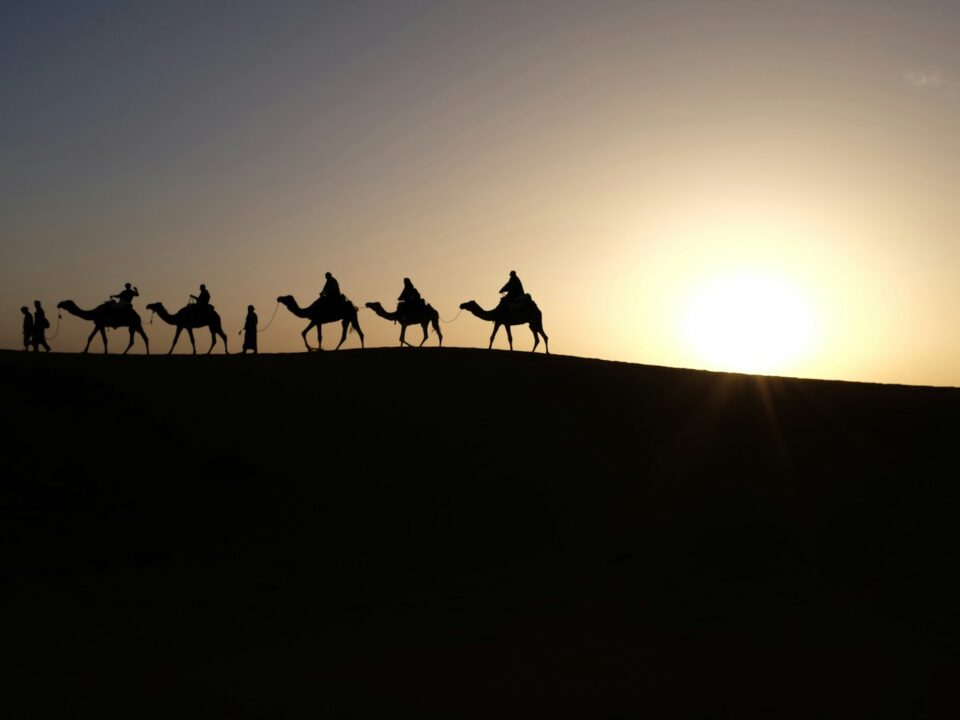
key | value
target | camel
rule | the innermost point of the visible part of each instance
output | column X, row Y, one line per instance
column 190, row 317
column 323, row 311
column 109, row 314
column 423, row 316
column 525, row 314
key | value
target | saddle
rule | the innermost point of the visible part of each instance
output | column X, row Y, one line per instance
column 412, row 307
column 328, row 302
column 118, row 313
column 514, row 304
column 198, row 312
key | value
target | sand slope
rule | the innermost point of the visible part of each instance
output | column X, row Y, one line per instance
column 462, row 533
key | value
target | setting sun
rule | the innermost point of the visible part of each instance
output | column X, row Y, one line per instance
column 749, row 322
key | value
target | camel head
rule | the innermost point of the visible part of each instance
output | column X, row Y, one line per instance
column 374, row 305
column 64, row 304
column 286, row 300
column 155, row 307
column 468, row 304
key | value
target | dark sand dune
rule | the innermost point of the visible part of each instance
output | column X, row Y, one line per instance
column 464, row 533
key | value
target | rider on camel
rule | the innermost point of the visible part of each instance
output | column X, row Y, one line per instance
column 203, row 299
column 513, row 289
column 331, row 289
column 409, row 299
column 126, row 295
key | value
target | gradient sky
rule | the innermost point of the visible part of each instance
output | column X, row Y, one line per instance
column 623, row 157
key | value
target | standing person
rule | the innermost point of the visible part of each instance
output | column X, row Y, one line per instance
column 331, row 288
column 126, row 295
column 40, row 325
column 203, row 299
column 250, row 331
column 27, row 328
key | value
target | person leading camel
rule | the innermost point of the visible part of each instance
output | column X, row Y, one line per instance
column 250, row 331
column 126, row 295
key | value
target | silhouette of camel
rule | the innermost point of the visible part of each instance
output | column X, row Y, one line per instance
column 422, row 316
column 108, row 315
column 190, row 317
column 322, row 311
column 526, row 314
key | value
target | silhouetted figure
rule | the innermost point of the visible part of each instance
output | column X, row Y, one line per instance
column 331, row 289
column 203, row 299
column 109, row 314
column 126, row 295
column 27, row 328
column 422, row 315
column 321, row 311
column 190, row 317
column 513, row 289
column 525, row 313
column 40, row 325
column 250, row 331
column 409, row 300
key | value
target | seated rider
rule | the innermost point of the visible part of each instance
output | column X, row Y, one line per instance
column 513, row 289
column 409, row 300
column 203, row 299
column 126, row 295
column 331, row 289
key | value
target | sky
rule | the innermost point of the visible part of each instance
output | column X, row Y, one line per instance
column 744, row 185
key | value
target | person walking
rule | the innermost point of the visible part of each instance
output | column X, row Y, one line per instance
column 250, row 331
column 40, row 325
column 27, row 328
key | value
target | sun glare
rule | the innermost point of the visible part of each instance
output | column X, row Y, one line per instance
column 749, row 323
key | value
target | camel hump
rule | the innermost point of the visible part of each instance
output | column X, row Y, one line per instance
column 116, row 308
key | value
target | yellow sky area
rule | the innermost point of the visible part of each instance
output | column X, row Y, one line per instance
column 642, row 271
column 818, row 223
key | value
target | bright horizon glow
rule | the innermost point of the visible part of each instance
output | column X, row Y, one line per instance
column 749, row 322
column 626, row 159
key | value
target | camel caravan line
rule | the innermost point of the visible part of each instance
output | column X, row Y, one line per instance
column 515, row 308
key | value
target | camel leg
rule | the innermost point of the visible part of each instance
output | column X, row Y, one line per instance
column 509, row 336
column 223, row 336
column 403, row 334
column 423, row 326
column 103, row 334
column 356, row 326
column 536, row 338
column 319, row 336
column 193, row 342
column 89, row 339
column 130, row 344
column 304, row 336
column 343, row 335
column 176, row 336
column 213, row 341
column 496, row 326
column 146, row 342
column 546, row 340
column 436, row 329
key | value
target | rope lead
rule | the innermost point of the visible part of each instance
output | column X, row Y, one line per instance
column 277, row 307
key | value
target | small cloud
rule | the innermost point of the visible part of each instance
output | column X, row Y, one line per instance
column 925, row 79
